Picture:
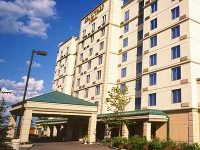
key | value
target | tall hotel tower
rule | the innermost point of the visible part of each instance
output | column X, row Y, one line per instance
column 149, row 46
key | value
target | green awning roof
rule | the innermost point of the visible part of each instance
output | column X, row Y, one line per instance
column 137, row 113
column 60, row 98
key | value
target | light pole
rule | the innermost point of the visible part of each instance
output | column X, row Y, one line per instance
column 42, row 53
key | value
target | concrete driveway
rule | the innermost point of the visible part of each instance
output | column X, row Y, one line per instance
column 66, row 146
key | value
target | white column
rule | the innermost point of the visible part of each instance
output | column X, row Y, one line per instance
column 193, row 126
column 54, row 131
column 12, row 122
column 125, row 131
column 147, row 130
column 25, row 126
column 92, row 128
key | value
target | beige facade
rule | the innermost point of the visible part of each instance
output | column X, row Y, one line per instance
column 151, row 47
column 65, row 65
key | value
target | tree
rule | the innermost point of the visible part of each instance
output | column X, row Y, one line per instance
column 117, row 102
column 4, row 121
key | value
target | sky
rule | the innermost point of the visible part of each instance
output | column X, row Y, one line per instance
column 35, row 24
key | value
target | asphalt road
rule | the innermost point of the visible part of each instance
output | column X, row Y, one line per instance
column 66, row 146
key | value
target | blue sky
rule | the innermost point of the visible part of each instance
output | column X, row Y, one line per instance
column 35, row 24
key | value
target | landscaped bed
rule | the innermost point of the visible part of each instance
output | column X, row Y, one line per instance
column 140, row 143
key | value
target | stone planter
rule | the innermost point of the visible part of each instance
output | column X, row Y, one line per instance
column 15, row 143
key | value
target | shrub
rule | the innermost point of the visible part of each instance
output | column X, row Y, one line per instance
column 137, row 143
column 107, row 142
column 168, row 145
column 119, row 141
column 185, row 146
column 155, row 144
column 85, row 139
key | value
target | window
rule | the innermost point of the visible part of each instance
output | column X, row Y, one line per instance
column 100, row 59
column 81, row 56
column 79, row 69
column 138, row 85
column 58, row 72
column 152, row 99
column 92, row 38
column 126, row 15
column 102, row 31
column 63, row 80
column 93, row 27
column 176, row 73
column 67, row 50
column 138, row 103
column 98, row 74
column 125, row 42
column 152, row 79
column 88, row 78
column 65, row 69
column 175, row 13
column 124, row 56
column 141, row 5
column 97, row 91
column 126, row 27
column 86, row 93
column 176, row 52
column 122, row 86
column 153, row 23
column 83, row 45
column 139, row 67
column 104, row 19
column 61, row 53
column 140, row 19
column 90, row 51
column 139, row 51
column 89, row 65
column 176, row 96
column 153, row 41
column 84, row 33
column 78, row 82
column 140, row 35
column 123, row 72
column 153, row 60
column 154, row 7
column 175, row 32
column 101, row 45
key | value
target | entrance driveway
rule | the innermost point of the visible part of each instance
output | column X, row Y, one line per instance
column 66, row 146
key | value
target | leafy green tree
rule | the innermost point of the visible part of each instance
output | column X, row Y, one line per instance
column 4, row 122
column 117, row 102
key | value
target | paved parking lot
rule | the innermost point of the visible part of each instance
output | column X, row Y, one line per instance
column 66, row 146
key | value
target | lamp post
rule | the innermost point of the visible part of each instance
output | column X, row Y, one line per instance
column 42, row 53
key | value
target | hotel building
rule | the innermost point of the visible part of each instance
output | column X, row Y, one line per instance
column 148, row 46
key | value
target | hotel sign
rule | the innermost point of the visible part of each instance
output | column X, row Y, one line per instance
column 93, row 15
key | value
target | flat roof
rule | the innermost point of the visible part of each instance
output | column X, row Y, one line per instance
column 136, row 113
column 93, row 9
column 67, row 40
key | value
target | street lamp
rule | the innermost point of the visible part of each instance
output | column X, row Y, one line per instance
column 42, row 53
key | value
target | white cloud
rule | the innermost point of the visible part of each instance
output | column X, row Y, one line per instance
column 34, row 64
column 34, row 88
column 27, row 17
column 2, row 61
